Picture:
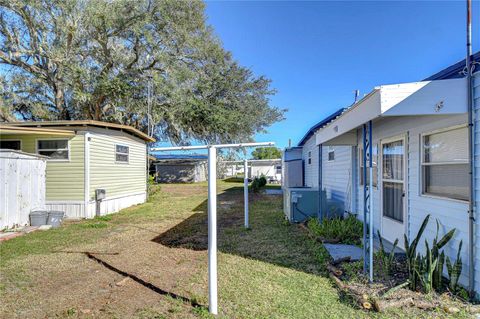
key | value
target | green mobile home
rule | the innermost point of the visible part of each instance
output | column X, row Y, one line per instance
column 85, row 156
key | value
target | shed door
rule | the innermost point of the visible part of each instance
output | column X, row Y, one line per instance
column 393, row 189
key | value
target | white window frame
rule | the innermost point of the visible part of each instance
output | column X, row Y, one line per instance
column 115, row 153
column 375, row 166
column 331, row 149
column 423, row 164
column 309, row 158
column 48, row 149
column 13, row 140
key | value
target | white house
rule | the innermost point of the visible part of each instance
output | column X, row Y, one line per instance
column 420, row 159
column 270, row 168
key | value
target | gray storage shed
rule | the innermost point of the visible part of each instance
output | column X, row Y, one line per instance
column 171, row 168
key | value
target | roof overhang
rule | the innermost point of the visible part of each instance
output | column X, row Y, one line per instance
column 441, row 97
column 16, row 130
column 72, row 123
column 266, row 162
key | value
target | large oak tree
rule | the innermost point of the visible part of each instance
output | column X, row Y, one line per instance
column 98, row 59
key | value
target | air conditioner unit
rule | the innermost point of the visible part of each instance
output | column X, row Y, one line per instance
column 300, row 203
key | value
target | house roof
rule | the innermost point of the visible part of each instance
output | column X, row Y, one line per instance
column 6, row 129
column 272, row 161
column 320, row 124
column 180, row 156
column 454, row 71
column 121, row 127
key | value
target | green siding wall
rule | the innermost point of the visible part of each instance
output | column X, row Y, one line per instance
column 65, row 179
column 117, row 178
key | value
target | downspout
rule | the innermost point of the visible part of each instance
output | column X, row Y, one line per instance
column 320, row 183
column 471, row 208
column 86, row 175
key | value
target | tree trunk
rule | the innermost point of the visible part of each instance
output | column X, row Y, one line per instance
column 60, row 103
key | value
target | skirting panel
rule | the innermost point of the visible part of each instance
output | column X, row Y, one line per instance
column 113, row 205
column 74, row 210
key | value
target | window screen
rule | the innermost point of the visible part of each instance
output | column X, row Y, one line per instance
column 331, row 153
column 121, row 153
column 55, row 149
column 11, row 145
column 445, row 164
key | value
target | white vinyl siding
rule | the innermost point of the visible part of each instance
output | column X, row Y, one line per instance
column 310, row 158
column 337, row 174
column 451, row 214
column 476, row 96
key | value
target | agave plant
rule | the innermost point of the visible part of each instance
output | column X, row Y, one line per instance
column 388, row 259
column 411, row 254
column 455, row 269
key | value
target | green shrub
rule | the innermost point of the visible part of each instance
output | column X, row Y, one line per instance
column 262, row 181
column 151, row 180
column 348, row 230
column 258, row 183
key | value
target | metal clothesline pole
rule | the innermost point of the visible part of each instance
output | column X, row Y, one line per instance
column 245, row 191
column 212, row 209
column 245, row 183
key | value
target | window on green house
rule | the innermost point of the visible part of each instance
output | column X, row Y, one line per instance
column 55, row 149
column 121, row 153
column 11, row 145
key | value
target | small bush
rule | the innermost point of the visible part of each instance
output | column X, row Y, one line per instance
column 262, row 181
column 151, row 180
column 348, row 230
column 258, row 183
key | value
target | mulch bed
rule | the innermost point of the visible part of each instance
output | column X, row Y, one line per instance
column 387, row 291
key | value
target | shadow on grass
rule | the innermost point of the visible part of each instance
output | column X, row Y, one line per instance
column 270, row 239
column 142, row 282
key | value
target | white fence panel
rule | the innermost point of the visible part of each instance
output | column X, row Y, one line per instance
column 22, row 187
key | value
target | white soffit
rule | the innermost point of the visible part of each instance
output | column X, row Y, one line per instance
column 407, row 99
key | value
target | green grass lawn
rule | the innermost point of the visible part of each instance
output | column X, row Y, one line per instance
column 269, row 271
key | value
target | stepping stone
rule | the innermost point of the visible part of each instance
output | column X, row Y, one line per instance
column 339, row 251
column 9, row 235
column 45, row 227
column 273, row 192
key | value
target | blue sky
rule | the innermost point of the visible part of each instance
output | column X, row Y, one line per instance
column 318, row 53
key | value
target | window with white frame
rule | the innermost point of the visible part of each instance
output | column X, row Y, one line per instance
column 309, row 157
column 331, row 154
column 278, row 169
column 55, row 149
column 121, row 153
column 374, row 165
column 11, row 144
column 445, row 168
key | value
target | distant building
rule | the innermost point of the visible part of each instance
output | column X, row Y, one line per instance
column 171, row 168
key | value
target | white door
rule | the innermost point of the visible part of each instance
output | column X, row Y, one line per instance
column 393, row 188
